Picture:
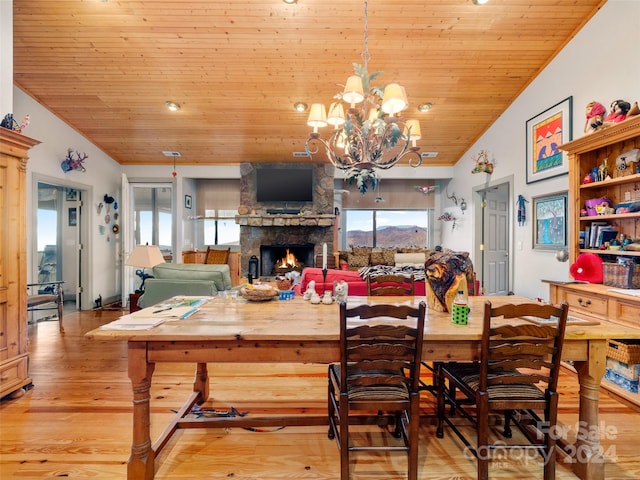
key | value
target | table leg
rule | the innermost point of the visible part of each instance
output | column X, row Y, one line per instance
column 201, row 382
column 588, row 459
column 141, row 462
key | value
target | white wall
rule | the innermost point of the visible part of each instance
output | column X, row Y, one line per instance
column 102, row 176
column 601, row 63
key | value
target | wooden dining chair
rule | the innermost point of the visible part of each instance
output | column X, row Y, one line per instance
column 46, row 296
column 390, row 284
column 217, row 256
column 517, row 376
column 377, row 379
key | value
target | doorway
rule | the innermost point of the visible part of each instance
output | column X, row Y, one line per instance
column 494, row 231
column 58, row 248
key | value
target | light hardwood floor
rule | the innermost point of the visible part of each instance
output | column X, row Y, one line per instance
column 76, row 422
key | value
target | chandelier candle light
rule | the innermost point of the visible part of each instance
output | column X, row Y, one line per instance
column 371, row 136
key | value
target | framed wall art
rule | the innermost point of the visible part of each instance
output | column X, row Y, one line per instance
column 550, row 222
column 545, row 133
column 73, row 217
column 187, row 201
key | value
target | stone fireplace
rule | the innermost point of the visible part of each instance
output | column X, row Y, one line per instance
column 263, row 228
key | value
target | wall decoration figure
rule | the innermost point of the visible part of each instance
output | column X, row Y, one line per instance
column 74, row 161
column 482, row 163
column 522, row 210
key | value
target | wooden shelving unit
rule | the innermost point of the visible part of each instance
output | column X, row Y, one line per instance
column 591, row 300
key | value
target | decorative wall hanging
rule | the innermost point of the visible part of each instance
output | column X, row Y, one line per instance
column 545, row 133
column 428, row 189
column 550, row 222
column 74, row 162
column 522, row 210
column 447, row 217
column 482, row 163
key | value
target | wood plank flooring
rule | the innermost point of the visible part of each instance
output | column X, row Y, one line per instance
column 76, row 422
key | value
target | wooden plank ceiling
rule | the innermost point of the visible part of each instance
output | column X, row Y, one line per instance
column 237, row 67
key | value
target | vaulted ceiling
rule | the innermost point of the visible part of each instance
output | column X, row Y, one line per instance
column 237, row 67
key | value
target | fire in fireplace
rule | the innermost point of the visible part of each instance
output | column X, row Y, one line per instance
column 280, row 259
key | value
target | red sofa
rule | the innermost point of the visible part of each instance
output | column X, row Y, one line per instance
column 357, row 285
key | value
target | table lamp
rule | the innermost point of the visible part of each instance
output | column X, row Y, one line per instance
column 145, row 256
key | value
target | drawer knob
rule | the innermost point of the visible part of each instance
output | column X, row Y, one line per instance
column 584, row 303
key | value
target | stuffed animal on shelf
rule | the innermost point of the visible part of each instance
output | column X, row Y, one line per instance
column 619, row 110
column 594, row 116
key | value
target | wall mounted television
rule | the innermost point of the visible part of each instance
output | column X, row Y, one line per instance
column 284, row 185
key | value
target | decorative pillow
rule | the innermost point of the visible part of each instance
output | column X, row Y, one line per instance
column 389, row 255
column 358, row 260
column 377, row 258
column 361, row 250
column 410, row 259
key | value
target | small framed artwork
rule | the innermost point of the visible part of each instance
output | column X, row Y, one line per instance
column 545, row 133
column 187, row 201
column 550, row 222
column 71, row 195
column 73, row 217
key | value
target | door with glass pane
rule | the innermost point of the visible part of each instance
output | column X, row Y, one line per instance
column 58, row 239
column 153, row 217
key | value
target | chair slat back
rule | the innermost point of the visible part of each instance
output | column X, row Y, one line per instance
column 391, row 285
column 383, row 347
column 521, row 352
column 217, row 256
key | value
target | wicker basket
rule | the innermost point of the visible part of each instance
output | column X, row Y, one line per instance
column 625, row 351
column 258, row 295
column 621, row 275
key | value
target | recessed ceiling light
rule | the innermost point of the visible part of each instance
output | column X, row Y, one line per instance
column 290, row 1
column 480, row 2
column 300, row 106
column 173, row 106
column 425, row 107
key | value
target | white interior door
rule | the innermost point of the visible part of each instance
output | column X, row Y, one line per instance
column 495, row 245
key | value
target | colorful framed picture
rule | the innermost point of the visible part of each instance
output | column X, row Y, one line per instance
column 550, row 222
column 187, row 201
column 545, row 133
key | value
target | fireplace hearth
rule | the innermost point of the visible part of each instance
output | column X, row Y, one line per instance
column 281, row 259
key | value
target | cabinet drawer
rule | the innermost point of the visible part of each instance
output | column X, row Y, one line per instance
column 13, row 373
column 627, row 313
column 585, row 303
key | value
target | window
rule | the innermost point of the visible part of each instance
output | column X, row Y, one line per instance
column 220, row 228
column 389, row 228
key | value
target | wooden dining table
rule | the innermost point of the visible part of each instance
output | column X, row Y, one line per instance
column 295, row 331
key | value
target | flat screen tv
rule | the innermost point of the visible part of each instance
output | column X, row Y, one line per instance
column 284, row 185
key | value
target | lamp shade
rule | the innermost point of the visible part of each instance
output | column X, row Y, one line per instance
column 336, row 114
column 353, row 91
column 145, row 256
column 317, row 116
column 394, row 99
column 412, row 128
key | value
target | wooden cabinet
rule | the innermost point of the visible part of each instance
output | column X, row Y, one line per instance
column 14, row 360
column 598, row 301
column 592, row 151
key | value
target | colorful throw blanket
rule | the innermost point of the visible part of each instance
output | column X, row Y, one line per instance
column 374, row 271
